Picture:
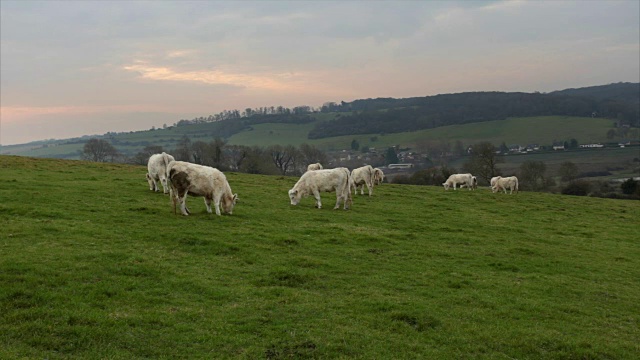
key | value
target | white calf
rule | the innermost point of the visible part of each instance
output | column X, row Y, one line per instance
column 316, row 166
column 378, row 176
column 157, row 167
column 327, row 180
column 363, row 176
column 197, row 180
column 464, row 180
column 505, row 183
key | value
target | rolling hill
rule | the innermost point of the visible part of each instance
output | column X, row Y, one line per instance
column 585, row 114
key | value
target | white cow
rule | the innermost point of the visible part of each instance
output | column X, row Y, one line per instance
column 492, row 183
column 316, row 166
column 157, row 167
column 464, row 180
column 197, row 180
column 363, row 176
column 504, row 183
column 378, row 176
column 327, row 180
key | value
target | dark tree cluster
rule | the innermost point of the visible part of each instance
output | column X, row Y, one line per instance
column 399, row 115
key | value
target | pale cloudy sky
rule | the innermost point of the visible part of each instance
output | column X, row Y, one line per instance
column 72, row 68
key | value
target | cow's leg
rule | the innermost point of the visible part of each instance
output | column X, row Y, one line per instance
column 207, row 203
column 370, row 188
column 165, row 187
column 183, row 204
column 316, row 194
column 339, row 196
column 216, row 203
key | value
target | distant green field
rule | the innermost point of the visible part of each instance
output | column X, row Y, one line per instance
column 523, row 131
column 538, row 130
column 95, row 266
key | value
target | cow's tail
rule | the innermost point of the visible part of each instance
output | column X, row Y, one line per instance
column 346, row 193
column 349, row 185
column 516, row 180
column 172, row 193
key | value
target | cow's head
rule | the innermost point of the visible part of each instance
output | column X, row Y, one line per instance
column 228, row 202
column 294, row 196
column 446, row 185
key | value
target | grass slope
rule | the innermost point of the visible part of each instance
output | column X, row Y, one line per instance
column 95, row 266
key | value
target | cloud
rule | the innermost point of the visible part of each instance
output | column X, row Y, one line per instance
column 275, row 82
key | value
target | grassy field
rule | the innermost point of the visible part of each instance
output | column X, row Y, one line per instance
column 96, row 266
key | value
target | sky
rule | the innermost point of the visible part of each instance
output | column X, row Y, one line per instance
column 73, row 68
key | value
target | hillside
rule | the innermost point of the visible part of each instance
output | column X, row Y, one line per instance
column 411, row 273
column 538, row 130
column 614, row 104
column 627, row 92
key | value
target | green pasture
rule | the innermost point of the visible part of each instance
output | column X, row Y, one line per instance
column 264, row 135
column 532, row 130
column 95, row 266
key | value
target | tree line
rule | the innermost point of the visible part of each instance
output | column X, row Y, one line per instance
column 272, row 160
column 384, row 116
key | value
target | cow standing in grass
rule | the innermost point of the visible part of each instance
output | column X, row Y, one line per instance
column 197, row 180
column 326, row 180
column 463, row 180
column 504, row 183
column 363, row 176
column 378, row 176
column 493, row 181
column 157, row 171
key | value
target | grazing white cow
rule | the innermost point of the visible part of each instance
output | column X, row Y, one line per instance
column 363, row 176
column 464, row 180
column 157, row 167
column 197, row 180
column 492, row 183
column 326, row 180
column 316, row 166
column 505, row 183
column 378, row 176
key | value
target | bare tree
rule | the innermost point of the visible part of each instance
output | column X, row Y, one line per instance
column 283, row 157
column 142, row 157
column 483, row 161
column 235, row 155
column 99, row 150
column 183, row 150
column 532, row 175
column 309, row 154
column 568, row 171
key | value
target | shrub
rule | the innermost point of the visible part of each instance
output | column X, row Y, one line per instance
column 630, row 186
column 578, row 188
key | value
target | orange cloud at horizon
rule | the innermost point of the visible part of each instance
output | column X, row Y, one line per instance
column 10, row 114
column 216, row 77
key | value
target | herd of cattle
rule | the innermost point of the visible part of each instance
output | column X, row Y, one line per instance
column 180, row 178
